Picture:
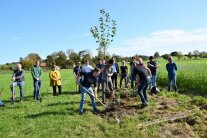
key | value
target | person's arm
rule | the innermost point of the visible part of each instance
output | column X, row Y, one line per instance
column 51, row 76
column 79, row 77
column 117, row 68
column 167, row 67
column 20, row 76
column 32, row 72
column 149, row 72
column 60, row 77
column 40, row 72
column 155, row 66
column 176, row 67
column 95, row 91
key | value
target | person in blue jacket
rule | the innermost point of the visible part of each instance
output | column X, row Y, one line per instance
column 171, row 69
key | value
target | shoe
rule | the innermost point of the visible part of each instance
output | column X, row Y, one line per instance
column 80, row 113
column 96, row 111
column 144, row 105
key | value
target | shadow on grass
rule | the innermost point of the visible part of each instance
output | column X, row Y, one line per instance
column 70, row 111
column 61, row 103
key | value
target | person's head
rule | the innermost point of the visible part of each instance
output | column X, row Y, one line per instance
column 133, row 58
column 87, row 62
column 170, row 59
column 37, row 63
column 78, row 64
column 53, row 67
column 114, row 60
column 151, row 58
column 110, row 62
column 57, row 68
column 140, row 60
column 123, row 63
column 103, row 61
column 19, row 66
column 99, row 61
column 96, row 72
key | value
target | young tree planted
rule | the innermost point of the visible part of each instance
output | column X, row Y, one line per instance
column 105, row 32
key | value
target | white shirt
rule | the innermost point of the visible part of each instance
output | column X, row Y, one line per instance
column 87, row 68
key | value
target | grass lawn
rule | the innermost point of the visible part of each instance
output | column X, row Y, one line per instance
column 58, row 116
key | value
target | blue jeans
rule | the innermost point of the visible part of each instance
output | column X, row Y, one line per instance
column 1, row 103
column 153, row 82
column 83, row 98
column 142, row 89
column 21, row 87
column 37, row 84
column 173, row 80
column 132, row 78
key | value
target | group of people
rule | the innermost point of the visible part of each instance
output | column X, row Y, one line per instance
column 105, row 74
column 36, row 72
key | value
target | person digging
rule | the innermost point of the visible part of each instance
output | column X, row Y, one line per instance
column 90, row 79
column 143, row 76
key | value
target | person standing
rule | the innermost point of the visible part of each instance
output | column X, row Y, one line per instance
column 90, row 78
column 124, row 73
column 143, row 77
column 36, row 72
column 152, row 65
column 55, row 80
column 87, row 67
column 107, row 72
column 18, row 80
column 76, row 70
column 132, row 64
column 115, row 73
column 171, row 69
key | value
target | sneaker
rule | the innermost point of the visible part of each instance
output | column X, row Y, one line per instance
column 144, row 105
column 80, row 113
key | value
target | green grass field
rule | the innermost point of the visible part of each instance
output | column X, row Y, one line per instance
column 191, row 75
column 58, row 116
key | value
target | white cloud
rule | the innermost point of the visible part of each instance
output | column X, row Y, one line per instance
column 163, row 42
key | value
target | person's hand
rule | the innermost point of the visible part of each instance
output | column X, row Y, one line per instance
column 13, row 79
column 37, row 78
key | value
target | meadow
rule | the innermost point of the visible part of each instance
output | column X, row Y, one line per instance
column 191, row 75
column 58, row 116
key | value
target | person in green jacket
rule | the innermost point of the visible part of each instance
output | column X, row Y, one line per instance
column 36, row 74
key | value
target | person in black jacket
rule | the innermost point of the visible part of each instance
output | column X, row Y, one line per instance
column 18, row 80
column 124, row 74
column 115, row 67
column 143, row 76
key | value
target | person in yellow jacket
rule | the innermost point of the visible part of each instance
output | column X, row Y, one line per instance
column 55, row 79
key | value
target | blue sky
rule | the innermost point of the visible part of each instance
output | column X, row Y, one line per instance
column 143, row 26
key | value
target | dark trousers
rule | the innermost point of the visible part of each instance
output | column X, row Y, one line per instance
column 37, row 84
column 59, row 90
column 142, row 90
column 124, row 76
column 114, row 80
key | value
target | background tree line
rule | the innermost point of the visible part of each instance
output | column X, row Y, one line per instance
column 70, row 57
